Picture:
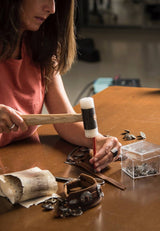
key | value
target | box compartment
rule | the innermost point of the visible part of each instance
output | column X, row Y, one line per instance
column 141, row 159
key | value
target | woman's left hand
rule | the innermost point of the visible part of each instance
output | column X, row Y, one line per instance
column 107, row 150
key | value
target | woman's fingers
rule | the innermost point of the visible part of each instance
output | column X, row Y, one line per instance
column 18, row 121
column 10, row 120
column 108, row 151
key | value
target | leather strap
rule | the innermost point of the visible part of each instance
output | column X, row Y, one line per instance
column 89, row 169
column 80, row 157
column 83, row 192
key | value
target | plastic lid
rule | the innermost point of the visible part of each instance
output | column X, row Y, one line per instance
column 142, row 150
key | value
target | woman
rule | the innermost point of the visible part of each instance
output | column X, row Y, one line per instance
column 37, row 45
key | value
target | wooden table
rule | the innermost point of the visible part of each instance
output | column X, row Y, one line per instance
column 136, row 208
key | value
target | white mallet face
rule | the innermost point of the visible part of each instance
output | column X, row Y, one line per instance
column 89, row 117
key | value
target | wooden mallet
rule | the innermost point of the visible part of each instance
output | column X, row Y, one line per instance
column 87, row 116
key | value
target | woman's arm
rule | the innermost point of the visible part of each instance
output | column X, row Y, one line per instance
column 56, row 101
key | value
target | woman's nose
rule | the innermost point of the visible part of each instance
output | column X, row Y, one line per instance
column 50, row 6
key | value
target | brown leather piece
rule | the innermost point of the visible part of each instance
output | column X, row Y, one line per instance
column 90, row 170
column 75, row 190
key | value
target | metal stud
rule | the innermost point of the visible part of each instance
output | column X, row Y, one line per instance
column 47, row 206
column 73, row 202
column 128, row 136
column 100, row 193
column 86, row 197
column 76, row 212
column 141, row 136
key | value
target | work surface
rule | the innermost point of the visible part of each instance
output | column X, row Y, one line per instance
column 136, row 208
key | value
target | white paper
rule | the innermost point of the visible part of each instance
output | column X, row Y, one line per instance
column 28, row 187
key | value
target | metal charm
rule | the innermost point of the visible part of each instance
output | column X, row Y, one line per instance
column 73, row 202
column 86, row 197
column 128, row 136
column 47, row 207
column 125, row 131
column 141, row 136
column 99, row 190
column 49, row 204
column 76, row 212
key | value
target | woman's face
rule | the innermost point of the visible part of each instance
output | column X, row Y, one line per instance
column 35, row 12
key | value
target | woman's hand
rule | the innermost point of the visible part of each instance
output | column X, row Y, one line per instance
column 108, row 149
column 10, row 120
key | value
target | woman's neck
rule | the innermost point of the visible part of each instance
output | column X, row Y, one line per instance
column 17, row 52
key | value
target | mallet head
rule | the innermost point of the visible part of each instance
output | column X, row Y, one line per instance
column 89, row 117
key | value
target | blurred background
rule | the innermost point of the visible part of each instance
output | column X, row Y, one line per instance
column 118, row 43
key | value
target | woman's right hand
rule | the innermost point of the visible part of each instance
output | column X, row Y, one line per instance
column 10, row 120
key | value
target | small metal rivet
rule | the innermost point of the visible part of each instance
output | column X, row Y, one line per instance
column 86, row 197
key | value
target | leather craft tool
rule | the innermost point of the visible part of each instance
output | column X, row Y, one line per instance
column 87, row 116
column 90, row 125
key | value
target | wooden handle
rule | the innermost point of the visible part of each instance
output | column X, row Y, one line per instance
column 39, row 119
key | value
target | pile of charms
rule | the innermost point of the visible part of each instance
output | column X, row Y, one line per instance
column 141, row 170
column 129, row 136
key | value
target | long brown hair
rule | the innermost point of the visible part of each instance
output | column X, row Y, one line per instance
column 53, row 43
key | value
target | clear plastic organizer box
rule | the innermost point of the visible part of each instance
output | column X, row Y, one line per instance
column 141, row 159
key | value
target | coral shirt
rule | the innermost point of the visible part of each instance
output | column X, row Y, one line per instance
column 22, row 88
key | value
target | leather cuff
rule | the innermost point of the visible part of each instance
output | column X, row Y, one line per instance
column 80, row 195
column 84, row 192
